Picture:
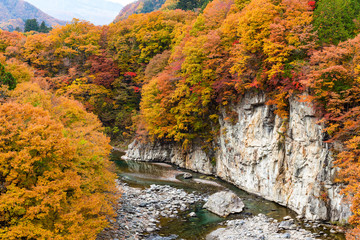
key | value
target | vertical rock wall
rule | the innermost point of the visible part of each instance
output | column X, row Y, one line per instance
column 293, row 168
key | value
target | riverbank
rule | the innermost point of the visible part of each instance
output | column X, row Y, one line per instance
column 139, row 210
column 158, row 203
column 260, row 228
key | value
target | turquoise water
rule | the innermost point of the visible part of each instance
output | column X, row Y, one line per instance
column 143, row 174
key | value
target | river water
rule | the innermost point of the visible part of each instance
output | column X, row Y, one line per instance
column 143, row 174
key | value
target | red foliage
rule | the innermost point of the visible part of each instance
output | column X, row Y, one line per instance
column 312, row 4
column 104, row 69
column 255, row 84
column 136, row 89
column 130, row 74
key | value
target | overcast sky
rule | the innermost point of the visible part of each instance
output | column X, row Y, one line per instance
column 123, row 2
column 99, row 12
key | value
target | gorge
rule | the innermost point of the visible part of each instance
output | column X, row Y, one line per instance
column 293, row 168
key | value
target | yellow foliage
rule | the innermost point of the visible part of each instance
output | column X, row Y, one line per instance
column 21, row 71
column 57, row 178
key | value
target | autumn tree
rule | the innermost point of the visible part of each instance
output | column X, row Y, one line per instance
column 65, row 153
column 43, row 193
column 136, row 40
column 177, row 103
column 11, row 42
column 19, row 70
column 73, row 43
column 104, row 69
column 39, row 53
column 334, row 87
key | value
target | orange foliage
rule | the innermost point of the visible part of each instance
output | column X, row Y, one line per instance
column 334, row 85
column 45, row 194
column 188, row 67
column 54, row 168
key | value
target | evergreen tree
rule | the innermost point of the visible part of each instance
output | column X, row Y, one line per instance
column 191, row 4
column 43, row 28
column 31, row 25
column 7, row 78
column 335, row 20
column 18, row 29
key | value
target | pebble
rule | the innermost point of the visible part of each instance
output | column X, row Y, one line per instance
column 139, row 209
column 257, row 227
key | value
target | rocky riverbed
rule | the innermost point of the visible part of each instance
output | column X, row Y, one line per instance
column 260, row 228
column 140, row 209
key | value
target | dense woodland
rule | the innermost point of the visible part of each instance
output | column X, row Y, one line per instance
column 162, row 76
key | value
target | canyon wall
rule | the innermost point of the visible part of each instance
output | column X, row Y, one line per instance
column 286, row 162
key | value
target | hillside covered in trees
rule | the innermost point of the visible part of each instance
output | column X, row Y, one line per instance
column 13, row 14
column 164, row 75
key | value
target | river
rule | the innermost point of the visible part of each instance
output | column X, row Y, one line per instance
column 143, row 174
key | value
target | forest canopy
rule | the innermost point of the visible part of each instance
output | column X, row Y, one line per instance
column 163, row 76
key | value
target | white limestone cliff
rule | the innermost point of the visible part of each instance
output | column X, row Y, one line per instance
column 293, row 168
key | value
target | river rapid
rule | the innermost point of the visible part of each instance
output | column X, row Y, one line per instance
column 159, row 204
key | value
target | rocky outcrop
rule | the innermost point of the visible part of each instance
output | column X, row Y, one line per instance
column 286, row 162
column 224, row 203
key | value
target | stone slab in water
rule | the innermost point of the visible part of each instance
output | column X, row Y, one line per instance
column 224, row 203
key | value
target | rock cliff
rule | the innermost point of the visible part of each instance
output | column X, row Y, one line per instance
column 286, row 162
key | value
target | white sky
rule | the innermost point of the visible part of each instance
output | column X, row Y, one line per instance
column 123, row 2
column 69, row 9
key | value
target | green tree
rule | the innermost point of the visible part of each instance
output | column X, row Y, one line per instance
column 31, row 25
column 43, row 28
column 191, row 4
column 7, row 78
column 336, row 20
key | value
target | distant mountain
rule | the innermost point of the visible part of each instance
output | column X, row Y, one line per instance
column 99, row 12
column 146, row 6
column 13, row 13
column 140, row 6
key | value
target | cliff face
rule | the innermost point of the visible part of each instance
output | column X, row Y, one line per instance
column 293, row 168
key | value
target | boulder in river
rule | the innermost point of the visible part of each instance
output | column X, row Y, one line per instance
column 187, row 175
column 224, row 203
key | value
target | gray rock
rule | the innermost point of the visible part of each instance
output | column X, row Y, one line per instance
column 286, row 235
column 192, row 214
column 286, row 224
column 256, row 228
column 187, row 175
column 150, row 229
column 224, row 203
